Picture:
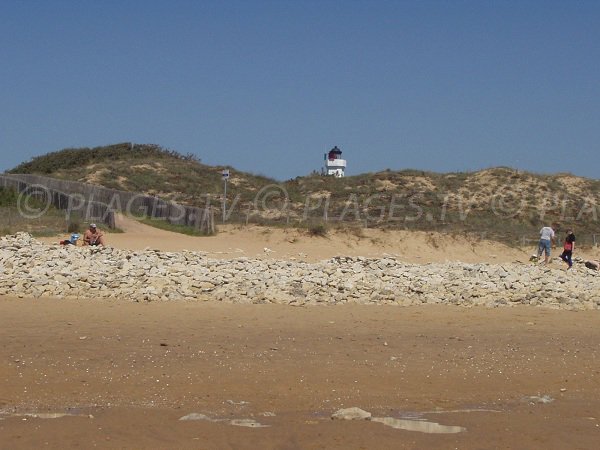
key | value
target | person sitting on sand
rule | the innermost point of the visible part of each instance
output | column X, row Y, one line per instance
column 568, row 248
column 93, row 236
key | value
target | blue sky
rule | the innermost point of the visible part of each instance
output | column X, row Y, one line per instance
column 269, row 86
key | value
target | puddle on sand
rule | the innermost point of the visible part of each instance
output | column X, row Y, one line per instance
column 422, row 426
column 197, row 416
column 247, row 423
column 49, row 415
column 453, row 411
column 541, row 399
column 408, row 421
column 235, row 422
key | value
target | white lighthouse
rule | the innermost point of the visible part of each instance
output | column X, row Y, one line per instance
column 334, row 164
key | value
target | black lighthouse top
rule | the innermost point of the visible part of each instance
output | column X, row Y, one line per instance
column 334, row 153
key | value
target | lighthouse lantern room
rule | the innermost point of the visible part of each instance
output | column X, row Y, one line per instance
column 334, row 164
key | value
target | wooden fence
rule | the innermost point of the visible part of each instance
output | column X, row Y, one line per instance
column 99, row 204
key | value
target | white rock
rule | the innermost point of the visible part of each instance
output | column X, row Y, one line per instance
column 353, row 413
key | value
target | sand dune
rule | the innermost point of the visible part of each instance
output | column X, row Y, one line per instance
column 254, row 241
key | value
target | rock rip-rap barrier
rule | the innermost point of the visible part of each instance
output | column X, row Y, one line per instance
column 29, row 268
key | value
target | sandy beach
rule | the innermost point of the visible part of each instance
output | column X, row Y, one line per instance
column 127, row 372
column 325, row 225
column 120, row 374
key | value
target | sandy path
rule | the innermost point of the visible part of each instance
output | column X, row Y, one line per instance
column 267, row 242
column 138, row 368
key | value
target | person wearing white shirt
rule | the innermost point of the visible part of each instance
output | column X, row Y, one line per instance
column 545, row 244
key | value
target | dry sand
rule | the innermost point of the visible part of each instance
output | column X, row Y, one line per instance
column 234, row 241
column 137, row 368
column 252, row 241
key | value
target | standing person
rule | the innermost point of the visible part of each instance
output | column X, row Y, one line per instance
column 93, row 236
column 545, row 244
column 568, row 248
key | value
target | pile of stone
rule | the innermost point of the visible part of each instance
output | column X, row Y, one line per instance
column 29, row 268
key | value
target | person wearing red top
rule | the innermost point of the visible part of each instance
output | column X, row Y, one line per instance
column 568, row 248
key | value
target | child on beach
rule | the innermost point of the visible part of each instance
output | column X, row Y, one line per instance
column 568, row 248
